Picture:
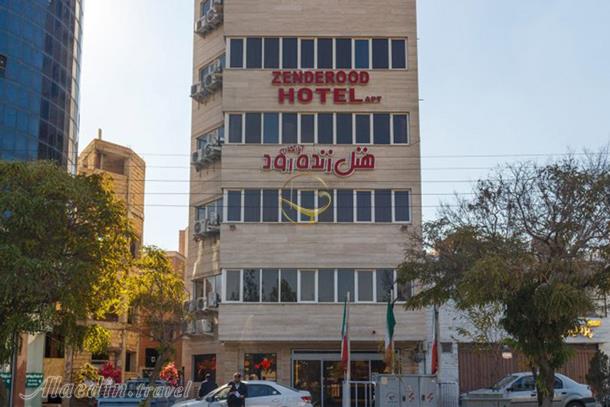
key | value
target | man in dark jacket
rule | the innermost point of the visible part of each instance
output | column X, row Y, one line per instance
column 207, row 385
column 238, row 392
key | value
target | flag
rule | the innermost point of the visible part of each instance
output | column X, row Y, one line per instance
column 390, row 323
column 434, row 365
column 345, row 336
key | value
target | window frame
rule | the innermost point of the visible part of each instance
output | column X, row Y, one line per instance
column 226, row 207
column 371, row 208
column 373, row 273
column 300, row 286
column 225, row 278
column 410, row 194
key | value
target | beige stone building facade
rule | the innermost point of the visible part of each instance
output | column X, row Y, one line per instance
column 304, row 185
column 127, row 173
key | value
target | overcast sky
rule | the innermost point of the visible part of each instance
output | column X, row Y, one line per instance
column 496, row 78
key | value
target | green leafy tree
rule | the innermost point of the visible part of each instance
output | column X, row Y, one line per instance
column 64, row 248
column 158, row 295
column 598, row 377
column 532, row 241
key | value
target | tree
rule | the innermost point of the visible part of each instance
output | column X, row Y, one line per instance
column 533, row 241
column 598, row 377
column 158, row 294
column 64, row 247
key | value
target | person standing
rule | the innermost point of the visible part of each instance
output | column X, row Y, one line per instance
column 207, row 385
column 238, row 392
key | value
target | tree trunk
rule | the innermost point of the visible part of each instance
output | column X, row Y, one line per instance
column 154, row 376
column 545, row 385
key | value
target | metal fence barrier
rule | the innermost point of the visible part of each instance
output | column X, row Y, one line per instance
column 449, row 395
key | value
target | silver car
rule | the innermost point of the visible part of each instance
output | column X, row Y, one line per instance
column 520, row 388
column 261, row 393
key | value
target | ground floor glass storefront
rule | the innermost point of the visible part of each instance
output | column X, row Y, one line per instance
column 322, row 375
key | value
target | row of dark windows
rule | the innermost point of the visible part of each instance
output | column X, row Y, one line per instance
column 317, row 53
column 313, row 285
column 342, row 205
column 318, row 128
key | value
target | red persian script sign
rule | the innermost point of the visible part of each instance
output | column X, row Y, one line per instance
column 305, row 86
column 293, row 158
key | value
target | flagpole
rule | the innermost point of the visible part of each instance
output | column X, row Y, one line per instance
column 349, row 345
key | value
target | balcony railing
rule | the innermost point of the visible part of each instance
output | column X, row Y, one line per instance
column 211, row 19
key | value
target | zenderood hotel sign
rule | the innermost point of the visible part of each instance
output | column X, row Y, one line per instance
column 292, row 159
column 337, row 87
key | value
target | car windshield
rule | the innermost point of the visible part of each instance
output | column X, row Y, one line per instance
column 502, row 383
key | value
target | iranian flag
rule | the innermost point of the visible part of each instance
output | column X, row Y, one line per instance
column 390, row 323
column 345, row 336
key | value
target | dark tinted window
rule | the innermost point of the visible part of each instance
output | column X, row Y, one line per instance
column 363, row 129
column 289, row 128
column 345, row 284
column 270, row 289
column 254, row 52
column 345, row 205
column 307, row 53
column 365, row 286
column 324, row 200
column 289, row 53
column 289, row 285
column 362, row 54
column 308, row 285
column 325, row 128
column 252, row 285
column 252, row 205
column 271, row 133
column 234, row 206
column 401, row 135
column 289, row 214
column 233, row 285
column 307, row 128
column 343, row 48
column 363, row 206
column 326, row 286
column 380, row 54
column 344, row 128
column 399, row 54
column 385, row 283
column 235, row 130
column 237, row 53
column 307, row 202
column 253, row 128
column 270, row 205
column 272, row 52
column 325, row 53
column 383, row 205
column 381, row 129
column 402, row 206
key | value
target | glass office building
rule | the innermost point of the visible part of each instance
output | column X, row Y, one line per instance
column 40, row 54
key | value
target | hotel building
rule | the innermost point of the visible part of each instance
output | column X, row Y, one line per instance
column 304, row 187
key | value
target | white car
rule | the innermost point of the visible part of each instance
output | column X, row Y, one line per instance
column 261, row 393
column 520, row 388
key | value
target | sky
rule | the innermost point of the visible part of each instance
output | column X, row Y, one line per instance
column 500, row 81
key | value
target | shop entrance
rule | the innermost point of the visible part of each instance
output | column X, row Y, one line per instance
column 321, row 374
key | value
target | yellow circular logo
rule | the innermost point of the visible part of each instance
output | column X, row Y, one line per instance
column 309, row 213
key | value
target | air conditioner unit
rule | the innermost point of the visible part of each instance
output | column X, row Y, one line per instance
column 202, row 304
column 204, row 326
column 206, row 227
column 202, row 26
column 213, row 81
column 199, row 92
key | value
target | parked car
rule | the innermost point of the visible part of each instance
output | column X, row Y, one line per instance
column 261, row 393
column 520, row 388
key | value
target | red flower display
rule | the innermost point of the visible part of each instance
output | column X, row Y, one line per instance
column 108, row 371
column 170, row 374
